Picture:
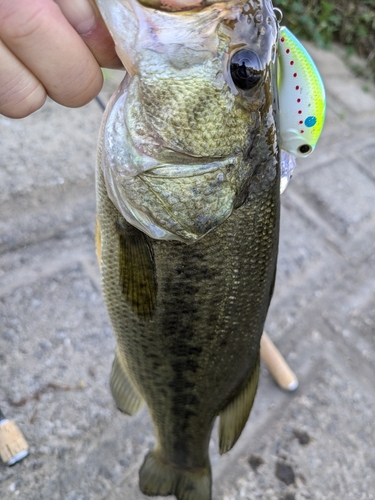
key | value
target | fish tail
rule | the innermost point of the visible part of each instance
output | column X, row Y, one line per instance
column 159, row 478
column 123, row 391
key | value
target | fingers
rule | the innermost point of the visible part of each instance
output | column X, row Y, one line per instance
column 85, row 18
column 40, row 52
column 21, row 93
column 81, row 14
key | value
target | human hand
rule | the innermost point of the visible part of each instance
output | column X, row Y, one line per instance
column 51, row 47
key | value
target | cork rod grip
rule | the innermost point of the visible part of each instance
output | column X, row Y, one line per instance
column 277, row 365
column 13, row 445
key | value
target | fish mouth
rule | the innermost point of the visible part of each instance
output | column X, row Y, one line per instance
column 188, row 170
column 179, row 5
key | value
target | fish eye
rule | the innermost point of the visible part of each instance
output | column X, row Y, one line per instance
column 305, row 148
column 245, row 69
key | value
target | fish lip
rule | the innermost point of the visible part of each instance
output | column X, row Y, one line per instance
column 181, row 5
column 186, row 170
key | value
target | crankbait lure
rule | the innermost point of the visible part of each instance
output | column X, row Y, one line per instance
column 301, row 96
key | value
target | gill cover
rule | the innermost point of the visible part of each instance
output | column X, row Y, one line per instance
column 301, row 95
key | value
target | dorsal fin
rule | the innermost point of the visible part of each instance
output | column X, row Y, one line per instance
column 234, row 416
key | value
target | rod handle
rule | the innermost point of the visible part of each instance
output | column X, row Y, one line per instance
column 13, row 445
column 277, row 365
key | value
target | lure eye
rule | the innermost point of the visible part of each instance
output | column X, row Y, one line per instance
column 245, row 69
column 304, row 149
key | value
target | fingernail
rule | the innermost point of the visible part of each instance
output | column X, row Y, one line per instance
column 79, row 13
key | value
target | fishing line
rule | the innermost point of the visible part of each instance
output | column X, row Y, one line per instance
column 100, row 103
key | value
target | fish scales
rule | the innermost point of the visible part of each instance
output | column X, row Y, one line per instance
column 188, row 263
column 190, row 358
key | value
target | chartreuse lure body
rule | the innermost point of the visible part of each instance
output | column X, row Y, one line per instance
column 301, row 94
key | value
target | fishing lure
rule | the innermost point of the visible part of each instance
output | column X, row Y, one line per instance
column 301, row 95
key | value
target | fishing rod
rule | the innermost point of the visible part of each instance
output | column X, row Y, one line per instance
column 13, row 445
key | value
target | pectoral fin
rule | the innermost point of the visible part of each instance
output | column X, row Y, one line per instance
column 234, row 416
column 137, row 271
column 123, row 391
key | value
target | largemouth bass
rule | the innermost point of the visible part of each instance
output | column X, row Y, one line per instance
column 188, row 187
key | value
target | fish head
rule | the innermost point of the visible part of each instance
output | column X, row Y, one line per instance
column 190, row 131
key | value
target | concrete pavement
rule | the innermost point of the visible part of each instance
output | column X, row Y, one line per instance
column 56, row 344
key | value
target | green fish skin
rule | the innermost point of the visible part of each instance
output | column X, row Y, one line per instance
column 188, row 189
